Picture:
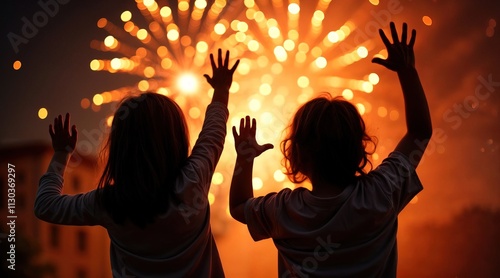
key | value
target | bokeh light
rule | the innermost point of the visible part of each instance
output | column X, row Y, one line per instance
column 43, row 113
column 427, row 20
column 17, row 65
column 257, row 183
column 85, row 103
column 97, row 99
column 126, row 16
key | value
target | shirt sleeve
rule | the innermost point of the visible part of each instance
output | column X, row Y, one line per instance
column 57, row 208
column 262, row 213
column 207, row 150
column 398, row 179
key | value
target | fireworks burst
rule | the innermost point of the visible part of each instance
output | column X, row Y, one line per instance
column 289, row 51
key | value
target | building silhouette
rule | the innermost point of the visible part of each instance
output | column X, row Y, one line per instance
column 73, row 251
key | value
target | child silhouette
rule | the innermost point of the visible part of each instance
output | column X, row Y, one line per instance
column 152, row 196
column 346, row 226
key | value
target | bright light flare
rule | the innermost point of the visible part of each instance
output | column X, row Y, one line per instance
column 187, row 83
column 279, row 69
column 293, row 8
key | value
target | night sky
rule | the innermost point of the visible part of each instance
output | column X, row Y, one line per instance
column 458, row 58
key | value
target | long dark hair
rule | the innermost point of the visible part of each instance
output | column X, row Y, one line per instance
column 147, row 146
column 326, row 142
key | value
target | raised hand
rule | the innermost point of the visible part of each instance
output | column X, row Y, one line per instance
column 245, row 143
column 400, row 53
column 222, row 75
column 62, row 139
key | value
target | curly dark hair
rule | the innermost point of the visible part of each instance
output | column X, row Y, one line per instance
column 146, row 149
column 327, row 142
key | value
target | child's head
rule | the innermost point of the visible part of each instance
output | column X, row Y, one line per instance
column 147, row 146
column 326, row 142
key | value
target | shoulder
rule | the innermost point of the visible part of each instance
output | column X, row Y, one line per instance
column 279, row 200
column 398, row 158
column 395, row 178
column 394, row 167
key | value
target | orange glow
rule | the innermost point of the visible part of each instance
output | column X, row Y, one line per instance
column 427, row 20
column 149, row 72
column 106, row 97
column 185, row 40
column 101, row 23
column 382, row 111
column 16, row 65
column 394, row 115
column 162, row 51
column 280, row 67
column 85, row 103
column 129, row 26
column 414, row 200
column 166, row 63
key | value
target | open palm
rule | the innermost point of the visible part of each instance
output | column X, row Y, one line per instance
column 245, row 143
column 62, row 139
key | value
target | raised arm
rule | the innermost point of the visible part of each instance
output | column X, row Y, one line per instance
column 222, row 77
column 50, row 205
column 247, row 149
column 401, row 59
column 210, row 143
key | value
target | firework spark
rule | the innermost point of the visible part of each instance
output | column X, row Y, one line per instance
column 289, row 52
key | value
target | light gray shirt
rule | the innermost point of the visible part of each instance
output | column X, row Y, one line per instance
column 352, row 234
column 180, row 242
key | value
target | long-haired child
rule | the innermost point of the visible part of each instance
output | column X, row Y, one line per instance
column 152, row 195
